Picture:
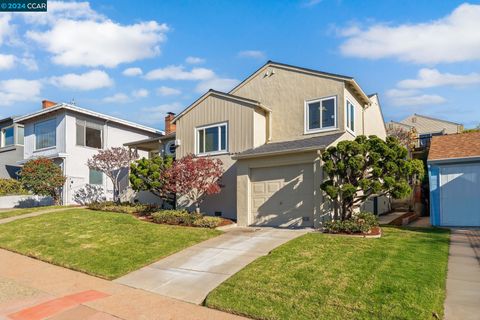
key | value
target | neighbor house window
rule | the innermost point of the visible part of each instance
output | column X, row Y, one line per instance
column 20, row 135
column 350, row 112
column 45, row 134
column 321, row 114
column 8, row 137
column 89, row 134
column 212, row 139
column 95, row 177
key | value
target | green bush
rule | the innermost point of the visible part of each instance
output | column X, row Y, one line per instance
column 361, row 222
column 124, row 207
column 176, row 217
column 11, row 187
column 208, row 222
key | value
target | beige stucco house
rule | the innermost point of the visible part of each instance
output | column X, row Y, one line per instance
column 270, row 131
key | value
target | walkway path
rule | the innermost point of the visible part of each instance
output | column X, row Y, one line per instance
column 192, row 273
column 32, row 290
column 463, row 279
column 34, row 214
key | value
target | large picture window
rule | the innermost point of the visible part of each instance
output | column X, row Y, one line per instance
column 45, row 134
column 89, row 134
column 350, row 112
column 7, row 137
column 212, row 139
column 321, row 114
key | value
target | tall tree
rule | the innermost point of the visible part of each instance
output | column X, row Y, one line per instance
column 113, row 163
column 43, row 177
column 356, row 170
column 405, row 138
column 194, row 178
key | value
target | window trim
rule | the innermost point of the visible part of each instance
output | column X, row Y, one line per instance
column 35, row 134
column 85, row 126
column 306, row 113
column 218, row 125
column 347, row 123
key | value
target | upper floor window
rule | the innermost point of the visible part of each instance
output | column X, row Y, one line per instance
column 89, row 134
column 211, row 139
column 45, row 134
column 7, row 137
column 320, row 114
column 350, row 119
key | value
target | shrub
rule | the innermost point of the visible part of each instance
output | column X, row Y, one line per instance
column 124, row 207
column 176, row 217
column 361, row 222
column 208, row 222
column 11, row 187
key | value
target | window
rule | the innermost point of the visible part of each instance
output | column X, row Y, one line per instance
column 89, row 134
column 95, row 177
column 350, row 112
column 321, row 114
column 20, row 135
column 45, row 134
column 7, row 138
column 212, row 139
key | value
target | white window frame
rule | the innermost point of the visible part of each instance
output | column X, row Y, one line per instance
column 85, row 126
column 35, row 134
column 2, row 137
column 307, row 130
column 347, row 122
column 218, row 125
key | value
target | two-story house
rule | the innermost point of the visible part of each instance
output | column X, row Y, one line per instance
column 70, row 135
column 11, row 147
column 269, row 132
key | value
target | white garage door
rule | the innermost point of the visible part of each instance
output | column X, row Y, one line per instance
column 283, row 196
column 460, row 195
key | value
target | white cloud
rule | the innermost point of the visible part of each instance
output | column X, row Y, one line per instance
column 179, row 73
column 63, row 10
column 413, row 98
column 167, row 91
column 140, row 93
column 453, row 38
column 19, row 90
column 91, row 80
column 117, row 98
column 255, row 54
column 194, row 60
column 429, row 78
column 156, row 115
column 7, row 61
column 6, row 29
column 100, row 43
column 220, row 84
column 132, row 72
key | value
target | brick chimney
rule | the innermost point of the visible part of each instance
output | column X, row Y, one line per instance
column 169, row 126
column 47, row 104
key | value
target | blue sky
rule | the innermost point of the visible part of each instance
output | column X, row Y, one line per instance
column 139, row 59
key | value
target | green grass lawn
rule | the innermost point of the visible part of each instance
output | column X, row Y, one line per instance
column 99, row 243
column 19, row 212
column 317, row 276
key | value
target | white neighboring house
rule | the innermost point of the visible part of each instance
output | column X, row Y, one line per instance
column 70, row 135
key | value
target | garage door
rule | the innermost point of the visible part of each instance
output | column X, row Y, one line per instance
column 460, row 195
column 283, row 196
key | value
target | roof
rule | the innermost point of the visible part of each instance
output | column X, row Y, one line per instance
column 436, row 119
column 150, row 144
column 303, row 145
column 224, row 95
column 271, row 63
column 426, row 125
column 402, row 124
column 455, row 146
column 6, row 119
column 73, row 108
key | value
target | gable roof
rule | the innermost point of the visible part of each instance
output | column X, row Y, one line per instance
column 212, row 92
column 270, row 63
column 66, row 106
column 435, row 119
column 401, row 124
column 455, row 146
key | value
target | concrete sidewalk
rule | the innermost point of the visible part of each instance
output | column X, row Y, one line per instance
column 191, row 274
column 32, row 290
column 463, row 278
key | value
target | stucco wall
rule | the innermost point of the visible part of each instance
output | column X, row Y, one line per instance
column 374, row 122
column 9, row 156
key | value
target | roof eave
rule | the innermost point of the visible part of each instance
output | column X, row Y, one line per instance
column 457, row 159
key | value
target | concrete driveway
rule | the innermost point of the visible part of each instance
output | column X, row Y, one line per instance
column 192, row 273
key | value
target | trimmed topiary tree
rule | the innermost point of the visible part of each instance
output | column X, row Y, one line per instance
column 356, row 170
column 43, row 177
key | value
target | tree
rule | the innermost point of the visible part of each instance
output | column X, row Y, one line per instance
column 194, row 178
column 356, row 170
column 151, row 175
column 405, row 137
column 113, row 162
column 43, row 177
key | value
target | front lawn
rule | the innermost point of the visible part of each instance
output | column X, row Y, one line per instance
column 318, row 276
column 104, row 244
column 19, row 212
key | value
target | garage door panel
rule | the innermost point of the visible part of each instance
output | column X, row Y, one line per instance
column 286, row 198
